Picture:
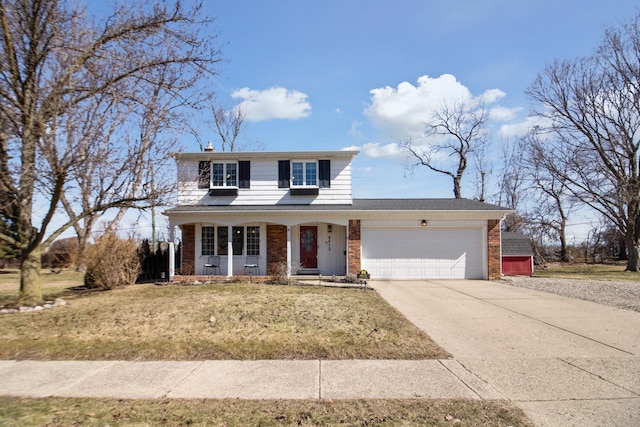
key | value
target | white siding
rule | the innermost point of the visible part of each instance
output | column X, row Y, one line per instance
column 264, row 186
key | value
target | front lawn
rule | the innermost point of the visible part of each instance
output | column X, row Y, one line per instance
column 220, row 321
column 15, row 412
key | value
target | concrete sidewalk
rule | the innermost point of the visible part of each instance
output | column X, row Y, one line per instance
column 566, row 362
column 263, row 379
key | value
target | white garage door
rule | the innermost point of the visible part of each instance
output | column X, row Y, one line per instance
column 419, row 253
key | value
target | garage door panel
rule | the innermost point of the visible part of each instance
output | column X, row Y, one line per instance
column 423, row 253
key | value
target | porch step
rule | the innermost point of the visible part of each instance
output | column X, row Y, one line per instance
column 308, row 272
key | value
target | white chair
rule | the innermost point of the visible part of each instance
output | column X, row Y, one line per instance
column 213, row 263
column 252, row 263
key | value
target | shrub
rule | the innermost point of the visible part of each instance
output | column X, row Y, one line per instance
column 112, row 262
column 61, row 254
column 279, row 273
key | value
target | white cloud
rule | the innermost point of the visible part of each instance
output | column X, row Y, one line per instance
column 354, row 130
column 272, row 103
column 515, row 130
column 377, row 150
column 400, row 113
column 503, row 114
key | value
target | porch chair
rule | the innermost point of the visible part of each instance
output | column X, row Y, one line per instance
column 212, row 263
column 252, row 263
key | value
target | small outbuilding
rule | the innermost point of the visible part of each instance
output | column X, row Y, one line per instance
column 517, row 254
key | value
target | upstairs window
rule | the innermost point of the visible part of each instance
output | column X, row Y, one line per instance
column 304, row 174
column 224, row 174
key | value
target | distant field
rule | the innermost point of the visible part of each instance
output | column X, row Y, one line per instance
column 587, row 271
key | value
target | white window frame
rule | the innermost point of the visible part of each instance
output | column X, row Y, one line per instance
column 226, row 178
column 216, row 244
column 304, row 183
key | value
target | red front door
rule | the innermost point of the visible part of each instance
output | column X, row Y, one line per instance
column 309, row 246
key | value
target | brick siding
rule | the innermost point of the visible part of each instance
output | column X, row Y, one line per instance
column 354, row 247
column 493, row 250
column 187, row 263
column 276, row 246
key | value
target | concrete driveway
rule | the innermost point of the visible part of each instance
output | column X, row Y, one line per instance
column 565, row 362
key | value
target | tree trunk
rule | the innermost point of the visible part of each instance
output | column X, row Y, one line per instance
column 633, row 252
column 564, row 255
column 632, row 238
column 30, row 289
column 457, row 192
column 633, row 263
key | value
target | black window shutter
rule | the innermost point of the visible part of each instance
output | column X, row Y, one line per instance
column 244, row 174
column 325, row 173
column 204, row 174
column 284, row 173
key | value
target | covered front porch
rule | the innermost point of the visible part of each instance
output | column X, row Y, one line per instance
column 214, row 251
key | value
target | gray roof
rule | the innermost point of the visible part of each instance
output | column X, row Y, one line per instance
column 358, row 205
column 516, row 244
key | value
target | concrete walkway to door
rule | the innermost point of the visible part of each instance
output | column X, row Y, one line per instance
column 565, row 362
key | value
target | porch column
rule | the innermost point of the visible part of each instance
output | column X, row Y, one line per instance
column 172, row 258
column 229, row 252
column 288, row 251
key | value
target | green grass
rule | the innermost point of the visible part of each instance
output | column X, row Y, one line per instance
column 220, row 321
column 612, row 272
column 52, row 412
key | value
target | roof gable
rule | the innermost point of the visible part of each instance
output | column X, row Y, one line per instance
column 516, row 244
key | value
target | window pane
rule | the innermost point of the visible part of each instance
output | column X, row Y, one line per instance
column 253, row 240
column 232, row 174
column 223, row 237
column 217, row 174
column 238, row 240
column 207, row 241
column 297, row 173
column 310, row 174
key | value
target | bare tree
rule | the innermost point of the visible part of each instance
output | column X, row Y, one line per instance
column 54, row 59
column 593, row 104
column 452, row 132
column 553, row 203
column 229, row 124
column 482, row 166
column 512, row 184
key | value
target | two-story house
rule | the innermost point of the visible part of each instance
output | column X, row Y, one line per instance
column 297, row 208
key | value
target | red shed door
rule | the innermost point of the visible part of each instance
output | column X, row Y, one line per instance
column 516, row 265
column 309, row 246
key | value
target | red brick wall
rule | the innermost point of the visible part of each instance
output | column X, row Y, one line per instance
column 276, row 246
column 188, row 249
column 354, row 247
column 493, row 243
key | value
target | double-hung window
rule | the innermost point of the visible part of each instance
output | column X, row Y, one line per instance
column 208, row 242
column 224, row 174
column 304, row 174
column 253, row 240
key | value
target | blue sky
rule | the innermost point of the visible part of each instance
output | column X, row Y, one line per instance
column 331, row 74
